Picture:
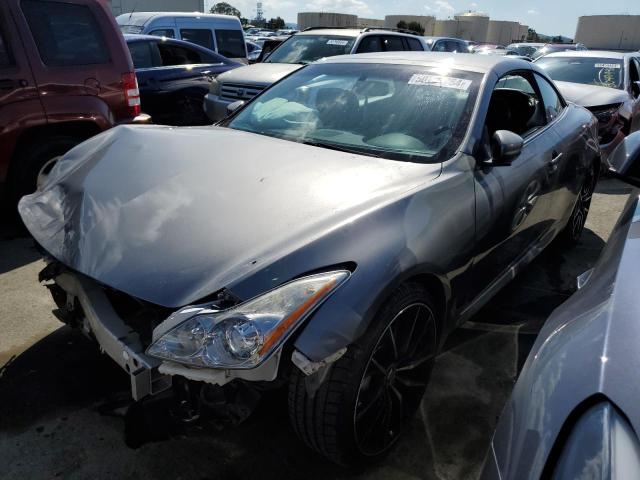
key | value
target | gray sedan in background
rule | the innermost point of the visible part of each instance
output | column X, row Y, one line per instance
column 327, row 237
column 574, row 411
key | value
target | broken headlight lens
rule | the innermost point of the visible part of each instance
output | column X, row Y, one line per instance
column 246, row 334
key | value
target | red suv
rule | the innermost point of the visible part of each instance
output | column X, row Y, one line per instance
column 65, row 75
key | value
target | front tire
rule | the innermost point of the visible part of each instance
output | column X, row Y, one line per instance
column 372, row 392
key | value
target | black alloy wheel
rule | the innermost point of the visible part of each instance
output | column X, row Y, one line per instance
column 395, row 379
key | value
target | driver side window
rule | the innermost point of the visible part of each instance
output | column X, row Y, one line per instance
column 515, row 106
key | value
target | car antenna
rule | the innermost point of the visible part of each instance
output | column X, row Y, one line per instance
column 135, row 5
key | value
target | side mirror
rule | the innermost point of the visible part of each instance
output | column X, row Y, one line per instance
column 624, row 161
column 635, row 88
column 232, row 107
column 505, row 146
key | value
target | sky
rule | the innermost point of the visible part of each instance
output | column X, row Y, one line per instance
column 551, row 17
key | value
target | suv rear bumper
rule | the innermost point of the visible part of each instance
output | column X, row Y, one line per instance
column 99, row 320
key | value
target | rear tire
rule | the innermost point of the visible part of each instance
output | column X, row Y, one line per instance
column 31, row 159
column 570, row 235
column 372, row 392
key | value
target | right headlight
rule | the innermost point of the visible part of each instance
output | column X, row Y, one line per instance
column 245, row 335
column 601, row 445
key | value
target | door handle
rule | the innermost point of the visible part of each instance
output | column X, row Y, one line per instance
column 552, row 166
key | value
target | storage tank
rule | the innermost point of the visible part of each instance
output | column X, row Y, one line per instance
column 326, row 19
column 446, row 28
column 472, row 26
column 428, row 22
column 609, row 32
column 370, row 22
column 503, row 32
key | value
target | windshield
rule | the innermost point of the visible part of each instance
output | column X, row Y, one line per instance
column 309, row 48
column 130, row 28
column 603, row 72
column 524, row 50
column 399, row 112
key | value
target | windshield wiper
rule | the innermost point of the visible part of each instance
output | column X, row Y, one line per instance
column 340, row 148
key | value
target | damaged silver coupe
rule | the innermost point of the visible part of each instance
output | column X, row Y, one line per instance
column 325, row 238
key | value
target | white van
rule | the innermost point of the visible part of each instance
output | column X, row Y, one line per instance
column 221, row 33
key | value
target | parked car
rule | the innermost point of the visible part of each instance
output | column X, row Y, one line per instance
column 574, row 410
column 65, row 75
column 222, row 34
column 253, row 51
column 607, row 83
column 447, row 44
column 296, row 51
column 174, row 76
column 393, row 195
column 526, row 49
column 558, row 47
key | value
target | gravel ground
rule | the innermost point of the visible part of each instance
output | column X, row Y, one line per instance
column 64, row 407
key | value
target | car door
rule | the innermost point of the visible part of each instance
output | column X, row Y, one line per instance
column 179, row 83
column 566, row 164
column 512, row 201
column 19, row 99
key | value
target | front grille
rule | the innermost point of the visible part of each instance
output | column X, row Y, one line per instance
column 236, row 91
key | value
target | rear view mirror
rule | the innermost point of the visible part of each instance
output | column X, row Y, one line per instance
column 232, row 107
column 624, row 161
column 505, row 146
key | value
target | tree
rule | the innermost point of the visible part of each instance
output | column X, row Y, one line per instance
column 276, row 23
column 223, row 8
column 416, row 27
column 532, row 35
column 402, row 24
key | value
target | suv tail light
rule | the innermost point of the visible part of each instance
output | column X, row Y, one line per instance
column 131, row 93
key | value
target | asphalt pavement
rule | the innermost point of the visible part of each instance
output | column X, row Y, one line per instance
column 65, row 411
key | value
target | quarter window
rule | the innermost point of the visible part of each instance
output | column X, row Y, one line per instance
column 65, row 33
column 199, row 36
column 552, row 102
column 177, row 55
column 141, row 54
column 414, row 44
column 230, row 43
column 163, row 32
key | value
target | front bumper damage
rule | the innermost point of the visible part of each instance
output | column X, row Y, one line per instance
column 83, row 303
column 94, row 314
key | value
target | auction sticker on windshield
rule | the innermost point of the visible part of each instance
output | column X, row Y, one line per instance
column 608, row 65
column 439, row 81
column 342, row 43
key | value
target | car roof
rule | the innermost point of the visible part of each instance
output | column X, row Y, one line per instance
column 433, row 39
column 589, row 54
column 355, row 32
column 462, row 61
column 142, row 18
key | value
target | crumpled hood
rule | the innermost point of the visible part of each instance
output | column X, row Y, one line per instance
column 171, row 215
column 591, row 95
column 258, row 73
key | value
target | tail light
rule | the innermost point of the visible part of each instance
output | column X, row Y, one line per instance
column 131, row 93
